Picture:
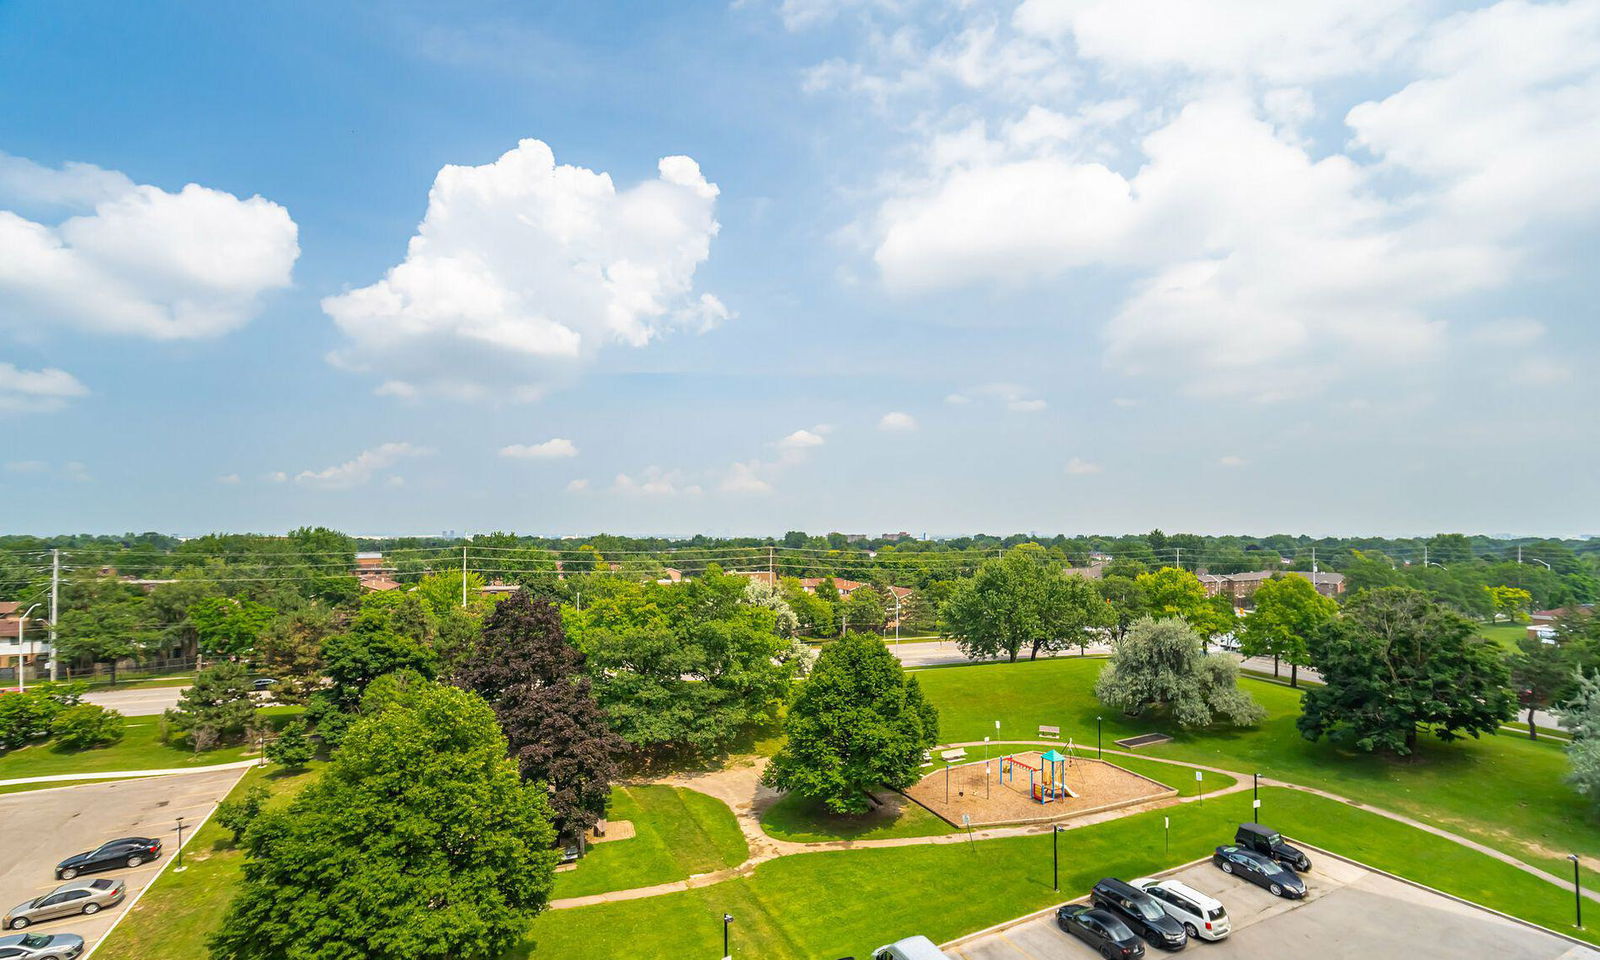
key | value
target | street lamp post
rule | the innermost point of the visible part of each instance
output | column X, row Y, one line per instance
column 1255, row 795
column 1097, row 752
column 1577, row 891
column 1055, row 857
column 727, row 918
column 22, row 650
column 179, row 864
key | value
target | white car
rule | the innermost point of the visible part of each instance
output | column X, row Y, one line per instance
column 1200, row 915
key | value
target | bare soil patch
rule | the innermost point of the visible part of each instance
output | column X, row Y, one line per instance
column 976, row 789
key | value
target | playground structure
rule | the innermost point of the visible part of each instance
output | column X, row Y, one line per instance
column 1047, row 778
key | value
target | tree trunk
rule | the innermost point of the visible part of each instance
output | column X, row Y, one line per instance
column 1411, row 740
column 1274, row 666
column 1533, row 732
column 113, row 673
column 1294, row 674
column 1013, row 652
column 1033, row 651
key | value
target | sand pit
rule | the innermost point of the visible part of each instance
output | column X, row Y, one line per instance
column 1099, row 786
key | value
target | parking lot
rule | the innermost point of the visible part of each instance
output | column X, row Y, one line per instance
column 1349, row 914
column 41, row 827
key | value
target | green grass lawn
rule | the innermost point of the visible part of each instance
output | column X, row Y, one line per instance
column 677, row 833
column 1504, row 634
column 846, row 903
column 174, row 917
column 804, row 821
column 1505, row 791
column 139, row 749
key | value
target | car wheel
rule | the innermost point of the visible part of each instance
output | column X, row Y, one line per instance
column 1227, row 867
column 135, row 861
column 1275, row 890
column 1106, row 953
column 19, row 923
column 1191, row 931
column 69, row 873
column 90, row 909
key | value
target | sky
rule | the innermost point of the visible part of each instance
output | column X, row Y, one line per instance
column 1218, row 266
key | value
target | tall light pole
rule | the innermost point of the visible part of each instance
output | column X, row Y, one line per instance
column 22, row 651
column 1577, row 891
column 727, row 918
column 1097, row 752
column 1055, row 856
column 179, row 865
column 55, row 606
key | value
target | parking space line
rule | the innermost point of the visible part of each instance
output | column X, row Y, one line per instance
column 1020, row 949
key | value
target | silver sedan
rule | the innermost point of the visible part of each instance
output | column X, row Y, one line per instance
column 41, row 946
column 79, row 897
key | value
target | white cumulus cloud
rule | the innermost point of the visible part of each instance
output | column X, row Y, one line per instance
column 554, row 449
column 1079, row 467
column 654, row 482
column 361, row 469
column 897, row 422
column 29, row 391
column 137, row 260
column 522, row 268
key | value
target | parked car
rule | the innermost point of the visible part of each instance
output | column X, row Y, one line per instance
column 123, row 852
column 260, row 684
column 41, row 946
column 911, row 948
column 1141, row 912
column 1269, row 842
column 1100, row 929
column 1260, row 870
column 1202, row 916
column 85, row 897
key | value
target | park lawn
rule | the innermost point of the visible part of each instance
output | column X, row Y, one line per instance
column 180, row 910
column 677, row 833
column 1505, row 791
column 844, row 903
column 1504, row 635
column 803, row 820
column 139, row 749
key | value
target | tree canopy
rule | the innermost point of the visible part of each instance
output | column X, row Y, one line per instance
column 419, row 840
column 1396, row 661
column 1023, row 599
column 1288, row 610
column 1161, row 665
column 858, row 722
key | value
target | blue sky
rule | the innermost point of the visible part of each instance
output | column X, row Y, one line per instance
column 1055, row 265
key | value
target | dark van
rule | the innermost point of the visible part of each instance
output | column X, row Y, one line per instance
column 1140, row 911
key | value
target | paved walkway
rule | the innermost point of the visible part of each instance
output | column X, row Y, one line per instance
column 739, row 786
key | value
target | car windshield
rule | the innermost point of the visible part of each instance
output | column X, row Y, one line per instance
column 34, row 940
column 1148, row 910
column 1272, row 868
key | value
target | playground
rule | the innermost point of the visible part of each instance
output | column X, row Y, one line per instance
column 1031, row 787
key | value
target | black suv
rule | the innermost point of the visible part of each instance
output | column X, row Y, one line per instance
column 1140, row 911
column 1269, row 843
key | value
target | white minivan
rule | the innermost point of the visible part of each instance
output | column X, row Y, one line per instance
column 1200, row 915
column 911, row 948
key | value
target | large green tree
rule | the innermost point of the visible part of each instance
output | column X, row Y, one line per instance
column 1161, row 666
column 216, row 708
column 419, row 840
column 1023, row 599
column 1541, row 674
column 858, row 722
column 1288, row 611
column 1395, row 662
column 1581, row 716
column 535, row 682
column 1173, row 592
column 229, row 626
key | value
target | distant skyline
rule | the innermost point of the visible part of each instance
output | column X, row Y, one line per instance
column 1211, row 266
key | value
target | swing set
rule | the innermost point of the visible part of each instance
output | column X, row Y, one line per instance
column 1047, row 780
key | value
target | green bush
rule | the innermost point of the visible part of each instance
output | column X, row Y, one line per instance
column 26, row 717
column 292, row 748
column 236, row 814
column 85, row 726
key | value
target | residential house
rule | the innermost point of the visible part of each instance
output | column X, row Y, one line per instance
column 1242, row 585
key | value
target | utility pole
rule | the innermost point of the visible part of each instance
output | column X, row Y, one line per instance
column 772, row 576
column 1180, row 557
column 463, row 576
column 55, row 606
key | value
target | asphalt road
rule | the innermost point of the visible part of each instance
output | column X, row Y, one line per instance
column 40, row 827
column 137, row 701
column 1349, row 914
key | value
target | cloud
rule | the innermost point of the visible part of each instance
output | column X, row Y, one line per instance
column 654, row 482
column 522, row 270
column 139, row 260
column 26, row 466
column 73, row 470
column 1078, row 467
column 1014, row 398
column 277, row 476
column 229, row 479
column 554, row 449
column 896, row 422
column 759, row 475
column 577, row 486
column 1231, row 461
column 34, row 391
column 360, row 470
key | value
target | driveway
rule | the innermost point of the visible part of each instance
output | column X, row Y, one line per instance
column 137, row 701
column 1349, row 913
column 40, row 827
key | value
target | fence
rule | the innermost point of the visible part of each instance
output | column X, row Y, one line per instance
column 126, row 670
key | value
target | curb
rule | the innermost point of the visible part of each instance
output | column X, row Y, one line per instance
column 128, row 907
column 130, row 774
column 1450, row 896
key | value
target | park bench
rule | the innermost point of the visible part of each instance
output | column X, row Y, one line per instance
column 927, row 758
column 1054, row 733
column 951, row 756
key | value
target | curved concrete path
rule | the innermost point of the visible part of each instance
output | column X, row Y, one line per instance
column 739, row 786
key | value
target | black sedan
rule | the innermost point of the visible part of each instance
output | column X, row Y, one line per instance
column 1100, row 929
column 124, row 852
column 1260, row 870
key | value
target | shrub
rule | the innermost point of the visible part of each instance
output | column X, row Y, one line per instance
column 236, row 814
column 292, row 749
column 26, row 717
column 86, row 726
